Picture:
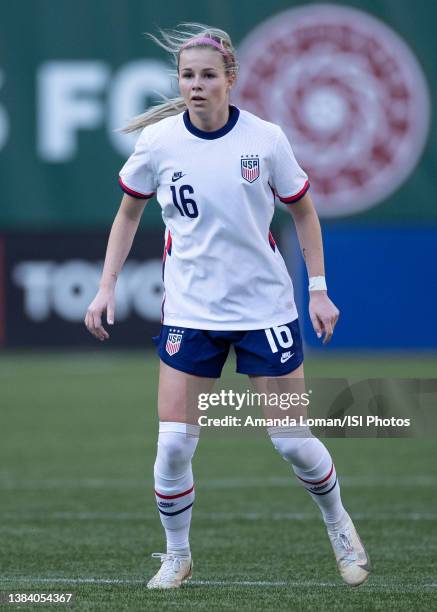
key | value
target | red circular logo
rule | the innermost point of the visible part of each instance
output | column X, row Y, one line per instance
column 350, row 96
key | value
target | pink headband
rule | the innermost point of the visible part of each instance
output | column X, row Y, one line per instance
column 204, row 40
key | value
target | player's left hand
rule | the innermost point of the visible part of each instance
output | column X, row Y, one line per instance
column 324, row 314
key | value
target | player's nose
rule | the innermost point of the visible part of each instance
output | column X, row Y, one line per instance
column 197, row 82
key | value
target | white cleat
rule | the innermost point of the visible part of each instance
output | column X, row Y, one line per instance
column 352, row 559
column 173, row 572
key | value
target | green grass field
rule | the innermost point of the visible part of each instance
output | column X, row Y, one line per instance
column 77, row 511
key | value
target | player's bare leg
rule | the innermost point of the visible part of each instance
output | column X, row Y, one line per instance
column 174, row 486
column 314, row 468
column 178, row 394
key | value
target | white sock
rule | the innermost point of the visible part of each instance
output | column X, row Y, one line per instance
column 313, row 466
column 174, row 485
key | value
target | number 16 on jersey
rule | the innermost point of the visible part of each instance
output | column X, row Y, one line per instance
column 187, row 206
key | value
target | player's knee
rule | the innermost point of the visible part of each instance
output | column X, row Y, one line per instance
column 293, row 447
column 288, row 448
column 175, row 450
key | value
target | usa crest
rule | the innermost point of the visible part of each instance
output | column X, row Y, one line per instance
column 250, row 168
column 174, row 340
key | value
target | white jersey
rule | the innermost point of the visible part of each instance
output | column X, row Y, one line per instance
column 222, row 269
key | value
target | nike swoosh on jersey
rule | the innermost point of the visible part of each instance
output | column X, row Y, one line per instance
column 176, row 176
column 286, row 356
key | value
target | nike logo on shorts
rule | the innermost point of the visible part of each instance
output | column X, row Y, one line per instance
column 286, row 356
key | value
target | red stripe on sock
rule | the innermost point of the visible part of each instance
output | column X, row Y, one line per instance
column 174, row 496
column 316, row 482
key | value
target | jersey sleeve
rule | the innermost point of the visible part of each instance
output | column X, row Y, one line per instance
column 137, row 177
column 289, row 182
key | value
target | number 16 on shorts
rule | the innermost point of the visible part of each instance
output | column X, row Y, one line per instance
column 279, row 338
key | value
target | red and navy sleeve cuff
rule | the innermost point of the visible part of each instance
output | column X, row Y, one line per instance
column 133, row 193
column 298, row 196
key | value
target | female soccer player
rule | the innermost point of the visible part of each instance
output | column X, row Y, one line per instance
column 215, row 170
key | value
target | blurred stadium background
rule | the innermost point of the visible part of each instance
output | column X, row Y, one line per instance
column 353, row 85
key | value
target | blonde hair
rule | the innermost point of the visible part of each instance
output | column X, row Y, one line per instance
column 174, row 41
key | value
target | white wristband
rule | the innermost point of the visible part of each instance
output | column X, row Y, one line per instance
column 317, row 283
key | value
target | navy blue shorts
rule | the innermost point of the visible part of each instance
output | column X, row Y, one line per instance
column 274, row 351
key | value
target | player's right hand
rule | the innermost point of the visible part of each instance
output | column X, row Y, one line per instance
column 104, row 301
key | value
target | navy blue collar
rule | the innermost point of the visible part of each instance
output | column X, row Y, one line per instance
column 234, row 113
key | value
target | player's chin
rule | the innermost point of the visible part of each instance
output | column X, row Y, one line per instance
column 198, row 106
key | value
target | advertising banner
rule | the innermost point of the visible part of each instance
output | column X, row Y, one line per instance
column 49, row 279
column 351, row 86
